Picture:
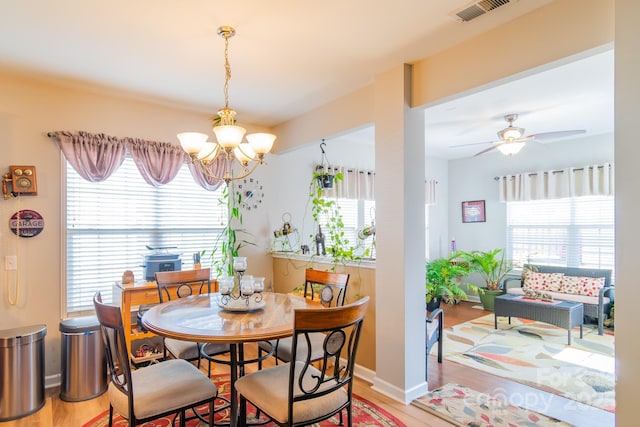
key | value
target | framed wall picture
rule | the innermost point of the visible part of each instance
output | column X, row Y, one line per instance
column 473, row 211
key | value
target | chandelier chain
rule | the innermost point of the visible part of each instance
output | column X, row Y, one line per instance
column 227, row 68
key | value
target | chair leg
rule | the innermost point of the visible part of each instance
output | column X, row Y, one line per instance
column 183, row 414
column 110, row 415
column 211, row 413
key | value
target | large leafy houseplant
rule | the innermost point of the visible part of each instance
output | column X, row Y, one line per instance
column 444, row 279
column 492, row 266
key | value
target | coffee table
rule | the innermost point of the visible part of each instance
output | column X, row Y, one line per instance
column 564, row 314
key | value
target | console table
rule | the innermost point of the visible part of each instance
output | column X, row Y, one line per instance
column 564, row 314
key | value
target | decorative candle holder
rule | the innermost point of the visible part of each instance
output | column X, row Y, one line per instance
column 240, row 291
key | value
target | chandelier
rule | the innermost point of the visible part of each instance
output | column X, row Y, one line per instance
column 229, row 137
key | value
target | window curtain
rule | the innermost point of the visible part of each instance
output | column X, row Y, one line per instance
column 355, row 183
column 157, row 162
column 590, row 180
column 430, row 186
column 96, row 156
column 218, row 168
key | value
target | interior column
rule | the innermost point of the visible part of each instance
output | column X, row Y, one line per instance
column 400, row 238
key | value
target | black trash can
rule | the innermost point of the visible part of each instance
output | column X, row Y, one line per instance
column 84, row 363
column 21, row 371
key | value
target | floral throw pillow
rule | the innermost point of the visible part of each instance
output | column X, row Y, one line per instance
column 577, row 285
column 535, row 281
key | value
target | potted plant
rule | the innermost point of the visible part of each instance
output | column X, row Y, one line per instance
column 443, row 279
column 492, row 267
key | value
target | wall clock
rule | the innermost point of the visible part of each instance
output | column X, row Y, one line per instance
column 249, row 193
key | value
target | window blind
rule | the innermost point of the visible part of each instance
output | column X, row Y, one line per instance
column 109, row 224
column 569, row 232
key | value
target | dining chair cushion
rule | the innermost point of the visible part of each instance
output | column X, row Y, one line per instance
column 189, row 350
column 268, row 389
column 284, row 348
column 181, row 383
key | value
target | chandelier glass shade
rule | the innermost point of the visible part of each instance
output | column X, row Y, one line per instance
column 229, row 137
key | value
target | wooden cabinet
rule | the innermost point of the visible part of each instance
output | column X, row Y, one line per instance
column 131, row 295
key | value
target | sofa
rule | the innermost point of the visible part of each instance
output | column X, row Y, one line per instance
column 591, row 287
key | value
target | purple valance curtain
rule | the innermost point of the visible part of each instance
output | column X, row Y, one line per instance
column 218, row 168
column 96, row 156
column 157, row 162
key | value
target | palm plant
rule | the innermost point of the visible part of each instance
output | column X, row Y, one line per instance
column 491, row 265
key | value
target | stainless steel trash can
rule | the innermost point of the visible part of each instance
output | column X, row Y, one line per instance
column 84, row 364
column 21, row 371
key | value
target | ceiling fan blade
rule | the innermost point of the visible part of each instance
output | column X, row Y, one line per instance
column 486, row 150
column 557, row 134
column 473, row 143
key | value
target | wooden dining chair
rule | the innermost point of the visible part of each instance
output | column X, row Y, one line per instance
column 297, row 393
column 181, row 284
column 160, row 389
column 332, row 290
column 434, row 327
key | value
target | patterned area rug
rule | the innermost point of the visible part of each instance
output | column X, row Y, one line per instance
column 462, row 406
column 537, row 354
column 365, row 414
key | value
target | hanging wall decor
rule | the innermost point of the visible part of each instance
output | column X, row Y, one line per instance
column 26, row 223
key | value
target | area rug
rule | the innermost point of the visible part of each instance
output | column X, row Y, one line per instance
column 463, row 406
column 536, row 354
column 365, row 414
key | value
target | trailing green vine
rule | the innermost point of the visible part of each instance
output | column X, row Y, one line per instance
column 230, row 240
column 323, row 207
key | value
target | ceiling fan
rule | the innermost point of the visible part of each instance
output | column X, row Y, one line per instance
column 512, row 138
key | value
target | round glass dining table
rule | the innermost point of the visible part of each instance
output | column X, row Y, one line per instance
column 201, row 319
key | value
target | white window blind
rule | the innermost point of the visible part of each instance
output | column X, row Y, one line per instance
column 569, row 232
column 109, row 224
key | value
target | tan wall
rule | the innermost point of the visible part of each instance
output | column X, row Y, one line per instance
column 289, row 274
column 29, row 109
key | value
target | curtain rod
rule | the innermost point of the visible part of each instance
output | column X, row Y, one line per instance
column 498, row 178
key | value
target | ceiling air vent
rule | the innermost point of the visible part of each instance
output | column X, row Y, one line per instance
column 479, row 8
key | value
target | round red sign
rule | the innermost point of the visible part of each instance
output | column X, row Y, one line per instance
column 26, row 223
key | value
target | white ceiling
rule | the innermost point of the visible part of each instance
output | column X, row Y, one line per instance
column 289, row 57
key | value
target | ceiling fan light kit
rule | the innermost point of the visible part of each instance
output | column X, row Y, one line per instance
column 512, row 139
column 509, row 148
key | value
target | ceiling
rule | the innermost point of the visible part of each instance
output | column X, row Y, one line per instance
column 290, row 57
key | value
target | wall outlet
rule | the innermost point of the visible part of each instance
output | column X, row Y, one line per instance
column 10, row 262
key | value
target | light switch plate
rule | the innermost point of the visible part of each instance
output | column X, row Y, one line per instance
column 10, row 262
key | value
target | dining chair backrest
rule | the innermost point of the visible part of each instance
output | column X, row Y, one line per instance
column 336, row 282
column 112, row 330
column 185, row 282
column 342, row 327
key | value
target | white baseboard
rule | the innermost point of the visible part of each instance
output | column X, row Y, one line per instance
column 51, row 381
column 398, row 394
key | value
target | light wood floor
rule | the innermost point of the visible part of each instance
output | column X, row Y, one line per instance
column 59, row 413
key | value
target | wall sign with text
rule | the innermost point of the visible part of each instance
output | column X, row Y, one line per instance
column 26, row 223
